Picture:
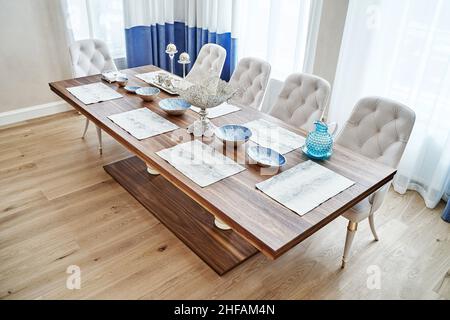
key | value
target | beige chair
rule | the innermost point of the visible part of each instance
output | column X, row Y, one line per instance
column 302, row 100
column 251, row 76
column 89, row 57
column 378, row 128
column 209, row 62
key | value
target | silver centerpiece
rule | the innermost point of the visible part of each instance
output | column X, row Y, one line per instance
column 209, row 93
column 165, row 80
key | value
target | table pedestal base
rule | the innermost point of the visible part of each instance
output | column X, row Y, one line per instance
column 191, row 223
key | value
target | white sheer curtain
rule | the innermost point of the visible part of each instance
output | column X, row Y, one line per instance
column 276, row 31
column 101, row 19
column 282, row 32
column 401, row 50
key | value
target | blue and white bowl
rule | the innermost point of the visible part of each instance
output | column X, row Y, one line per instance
column 174, row 106
column 131, row 89
column 147, row 93
column 233, row 134
column 122, row 81
column 266, row 157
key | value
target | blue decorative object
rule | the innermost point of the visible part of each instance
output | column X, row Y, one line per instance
column 233, row 134
column 266, row 157
column 319, row 143
column 147, row 93
column 446, row 213
column 131, row 89
column 174, row 106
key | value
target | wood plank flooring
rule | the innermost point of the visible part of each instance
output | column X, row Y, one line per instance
column 58, row 207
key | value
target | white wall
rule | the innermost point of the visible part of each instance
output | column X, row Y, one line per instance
column 33, row 52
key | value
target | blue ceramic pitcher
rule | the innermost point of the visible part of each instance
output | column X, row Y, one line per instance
column 319, row 143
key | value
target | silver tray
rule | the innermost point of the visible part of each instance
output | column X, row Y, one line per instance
column 149, row 78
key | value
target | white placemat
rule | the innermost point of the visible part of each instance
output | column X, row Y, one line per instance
column 220, row 110
column 142, row 123
column 270, row 135
column 94, row 92
column 200, row 163
column 304, row 187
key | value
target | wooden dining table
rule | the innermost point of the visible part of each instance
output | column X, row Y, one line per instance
column 258, row 223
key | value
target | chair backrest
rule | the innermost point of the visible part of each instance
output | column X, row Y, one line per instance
column 89, row 57
column 378, row 128
column 302, row 100
column 251, row 76
column 209, row 62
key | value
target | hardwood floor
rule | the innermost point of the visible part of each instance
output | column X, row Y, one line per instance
column 59, row 208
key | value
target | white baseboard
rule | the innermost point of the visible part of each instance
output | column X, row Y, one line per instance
column 42, row 110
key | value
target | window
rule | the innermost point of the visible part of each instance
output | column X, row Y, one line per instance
column 276, row 31
column 101, row 19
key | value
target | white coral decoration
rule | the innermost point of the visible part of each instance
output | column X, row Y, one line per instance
column 209, row 93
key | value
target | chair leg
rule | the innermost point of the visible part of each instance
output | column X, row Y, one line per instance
column 86, row 126
column 99, row 135
column 372, row 227
column 351, row 230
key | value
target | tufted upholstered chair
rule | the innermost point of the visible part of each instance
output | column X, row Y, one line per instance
column 378, row 128
column 302, row 101
column 251, row 75
column 89, row 57
column 209, row 62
